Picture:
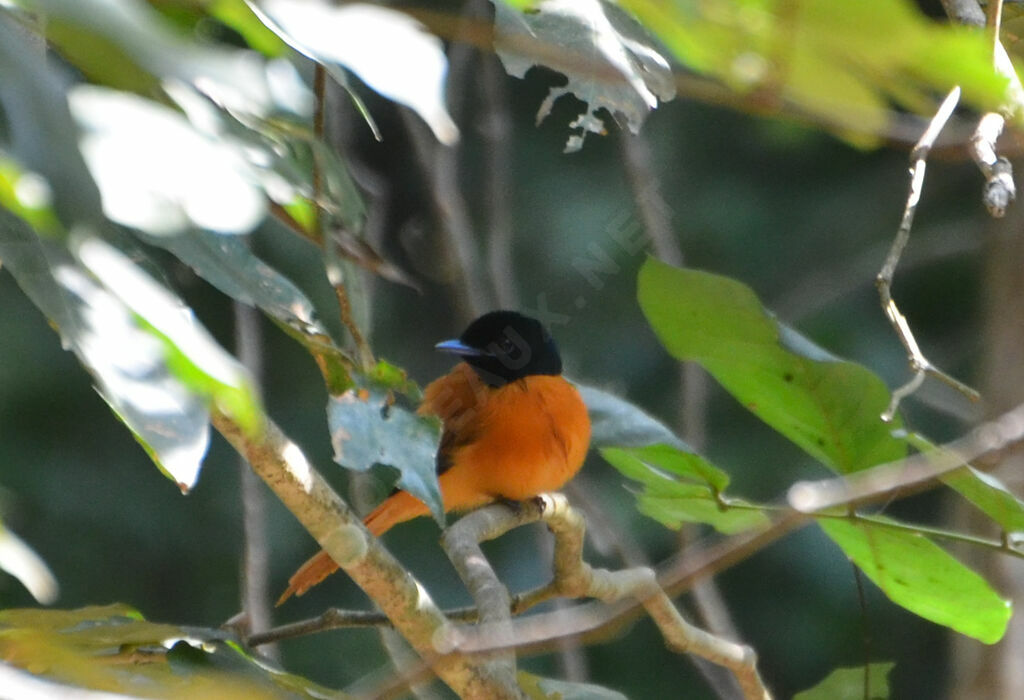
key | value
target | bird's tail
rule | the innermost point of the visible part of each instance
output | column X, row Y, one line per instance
column 396, row 509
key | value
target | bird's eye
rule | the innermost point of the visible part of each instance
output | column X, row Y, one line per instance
column 507, row 346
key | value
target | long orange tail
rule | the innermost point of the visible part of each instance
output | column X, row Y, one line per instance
column 395, row 509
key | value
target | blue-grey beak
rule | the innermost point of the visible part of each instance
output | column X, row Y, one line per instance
column 457, row 347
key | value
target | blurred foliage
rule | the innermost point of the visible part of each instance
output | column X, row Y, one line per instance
column 799, row 217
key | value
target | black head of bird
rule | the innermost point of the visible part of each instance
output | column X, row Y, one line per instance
column 503, row 346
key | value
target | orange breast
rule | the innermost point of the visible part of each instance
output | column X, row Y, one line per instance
column 512, row 442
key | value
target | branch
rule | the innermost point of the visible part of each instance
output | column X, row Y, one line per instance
column 284, row 468
column 920, row 365
column 573, row 577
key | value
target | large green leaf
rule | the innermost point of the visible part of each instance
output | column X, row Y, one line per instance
column 848, row 684
column 112, row 648
column 920, row 576
column 126, row 361
column 829, row 407
column 368, row 427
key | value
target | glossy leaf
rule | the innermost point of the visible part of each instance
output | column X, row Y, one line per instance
column 157, row 173
column 848, row 684
column 920, row 576
column 240, row 80
column 829, row 407
column 189, row 351
column 368, row 428
column 389, row 50
column 127, row 362
column 113, row 648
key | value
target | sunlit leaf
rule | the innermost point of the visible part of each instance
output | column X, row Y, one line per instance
column 127, row 362
column 112, row 648
column 189, row 351
column 681, row 487
column 920, row 576
column 389, row 51
column 239, row 80
column 157, row 173
column 848, row 684
column 240, row 17
column 829, row 407
column 368, row 428
column 842, row 62
column 608, row 58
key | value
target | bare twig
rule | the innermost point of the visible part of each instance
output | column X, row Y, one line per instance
column 573, row 577
column 284, row 468
column 919, row 364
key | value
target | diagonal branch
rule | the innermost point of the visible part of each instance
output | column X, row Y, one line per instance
column 281, row 464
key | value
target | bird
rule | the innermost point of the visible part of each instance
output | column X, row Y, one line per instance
column 512, row 428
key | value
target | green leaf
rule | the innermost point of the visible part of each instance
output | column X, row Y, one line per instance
column 539, row 688
column 113, row 648
column 367, row 428
column 127, row 362
column 192, row 355
column 920, row 576
column 843, row 63
column 240, row 17
column 142, row 40
column 848, row 684
column 827, row 406
column 682, row 487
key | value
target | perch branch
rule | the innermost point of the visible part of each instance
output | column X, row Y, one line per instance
column 919, row 364
column 573, row 577
column 281, row 464
column 461, row 543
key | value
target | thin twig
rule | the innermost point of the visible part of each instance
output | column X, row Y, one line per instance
column 919, row 364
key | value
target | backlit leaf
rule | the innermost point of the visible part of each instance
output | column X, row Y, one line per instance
column 920, row 576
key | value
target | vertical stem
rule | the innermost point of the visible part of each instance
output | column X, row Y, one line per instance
column 255, row 565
